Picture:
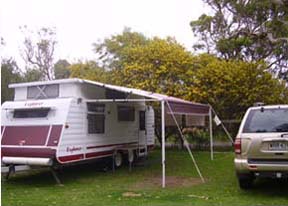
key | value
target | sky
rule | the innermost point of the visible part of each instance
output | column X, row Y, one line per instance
column 79, row 23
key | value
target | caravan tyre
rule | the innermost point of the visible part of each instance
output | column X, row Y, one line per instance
column 245, row 181
column 118, row 159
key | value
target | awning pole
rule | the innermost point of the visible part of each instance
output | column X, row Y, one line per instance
column 211, row 133
column 163, row 142
column 186, row 143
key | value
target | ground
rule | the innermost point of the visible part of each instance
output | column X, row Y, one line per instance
column 87, row 185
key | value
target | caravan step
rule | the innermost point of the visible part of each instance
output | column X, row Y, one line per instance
column 142, row 152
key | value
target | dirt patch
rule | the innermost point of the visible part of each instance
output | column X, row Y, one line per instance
column 131, row 194
column 199, row 197
column 171, row 181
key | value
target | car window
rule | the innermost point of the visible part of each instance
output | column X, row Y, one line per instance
column 267, row 120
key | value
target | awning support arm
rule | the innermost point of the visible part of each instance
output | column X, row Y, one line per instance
column 53, row 172
column 163, row 142
column 211, row 133
column 223, row 126
column 186, row 144
column 120, row 100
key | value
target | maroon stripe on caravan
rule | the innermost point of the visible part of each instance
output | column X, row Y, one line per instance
column 71, row 158
column 25, row 135
column 98, row 154
column 55, row 135
column 110, row 145
column 28, row 152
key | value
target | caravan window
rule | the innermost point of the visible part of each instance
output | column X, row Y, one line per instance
column 31, row 113
column 43, row 91
column 126, row 113
column 96, row 118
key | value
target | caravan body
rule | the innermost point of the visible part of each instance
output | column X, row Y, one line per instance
column 53, row 122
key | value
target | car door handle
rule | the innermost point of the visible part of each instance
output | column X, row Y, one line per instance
column 284, row 135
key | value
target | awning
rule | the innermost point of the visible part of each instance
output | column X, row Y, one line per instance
column 177, row 105
column 188, row 109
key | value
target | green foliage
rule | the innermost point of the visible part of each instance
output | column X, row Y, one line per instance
column 157, row 65
column 164, row 66
column 32, row 75
column 233, row 86
column 246, row 30
column 199, row 137
column 161, row 65
column 61, row 69
column 9, row 74
column 88, row 70
column 112, row 51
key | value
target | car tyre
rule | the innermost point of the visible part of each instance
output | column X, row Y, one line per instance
column 245, row 181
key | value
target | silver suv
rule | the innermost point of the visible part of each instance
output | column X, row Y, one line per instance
column 261, row 145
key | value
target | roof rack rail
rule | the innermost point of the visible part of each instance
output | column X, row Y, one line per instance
column 258, row 104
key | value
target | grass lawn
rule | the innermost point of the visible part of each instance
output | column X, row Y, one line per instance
column 86, row 185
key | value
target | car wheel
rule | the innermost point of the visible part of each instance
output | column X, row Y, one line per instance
column 245, row 181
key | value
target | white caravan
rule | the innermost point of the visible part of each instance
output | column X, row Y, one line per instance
column 72, row 120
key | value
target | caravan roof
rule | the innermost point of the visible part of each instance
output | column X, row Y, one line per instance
column 178, row 105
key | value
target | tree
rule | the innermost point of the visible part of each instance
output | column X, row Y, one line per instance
column 153, row 64
column 2, row 42
column 38, row 51
column 249, row 30
column 161, row 65
column 111, row 53
column 89, row 70
column 32, row 75
column 10, row 73
column 61, row 69
column 233, row 86
column 164, row 66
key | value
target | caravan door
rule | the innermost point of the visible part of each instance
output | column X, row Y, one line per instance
column 142, row 132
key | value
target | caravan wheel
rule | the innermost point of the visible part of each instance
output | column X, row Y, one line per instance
column 118, row 159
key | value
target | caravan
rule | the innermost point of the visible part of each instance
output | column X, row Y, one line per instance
column 72, row 120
